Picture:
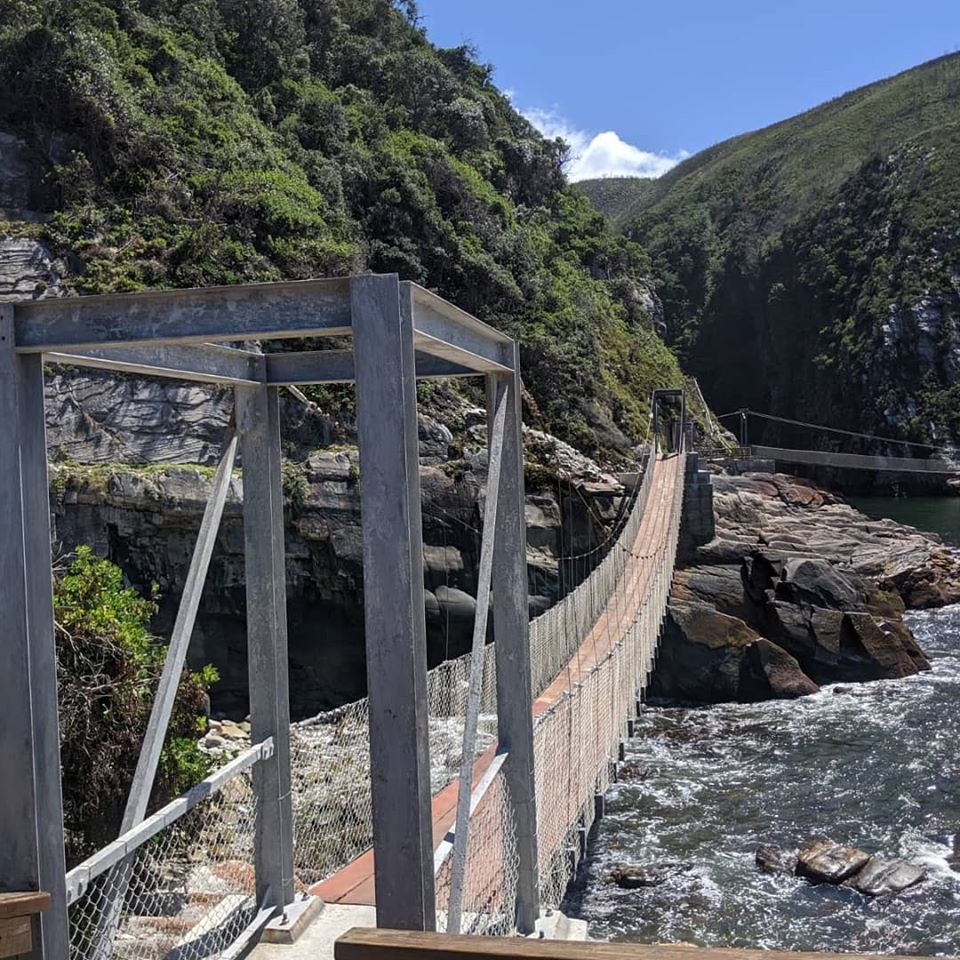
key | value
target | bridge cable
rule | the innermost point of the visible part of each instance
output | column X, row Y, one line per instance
column 821, row 427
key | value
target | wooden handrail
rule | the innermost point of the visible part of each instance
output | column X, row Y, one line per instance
column 17, row 911
column 369, row 944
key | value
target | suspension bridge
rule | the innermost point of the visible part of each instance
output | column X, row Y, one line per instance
column 899, row 456
column 455, row 799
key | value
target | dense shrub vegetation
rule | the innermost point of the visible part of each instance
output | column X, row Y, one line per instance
column 812, row 268
column 192, row 142
column 108, row 666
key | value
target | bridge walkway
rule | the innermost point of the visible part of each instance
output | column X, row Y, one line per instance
column 354, row 883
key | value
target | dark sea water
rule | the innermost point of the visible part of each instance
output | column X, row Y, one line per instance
column 876, row 765
column 941, row 514
column 878, row 768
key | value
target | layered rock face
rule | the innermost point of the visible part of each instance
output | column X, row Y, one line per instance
column 797, row 589
column 131, row 464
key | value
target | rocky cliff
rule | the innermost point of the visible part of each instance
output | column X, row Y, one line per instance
column 130, row 471
column 797, row 589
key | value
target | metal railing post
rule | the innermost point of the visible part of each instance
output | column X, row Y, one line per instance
column 258, row 423
column 31, row 810
column 511, row 633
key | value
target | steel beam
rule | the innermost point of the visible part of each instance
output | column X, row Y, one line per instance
column 394, row 602
column 511, row 633
column 243, row 312
column 156, row 733
column 336, row 366
column 31, row 811
column 43, row 654
column 446, row 331
column 202, row 362
column 258, row 422
column 487, row 549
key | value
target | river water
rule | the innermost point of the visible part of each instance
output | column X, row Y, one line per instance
column 876, row 765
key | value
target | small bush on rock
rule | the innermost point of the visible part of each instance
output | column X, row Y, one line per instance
column 108, row 667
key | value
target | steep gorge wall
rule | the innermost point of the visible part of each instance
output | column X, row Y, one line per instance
column 143, row 510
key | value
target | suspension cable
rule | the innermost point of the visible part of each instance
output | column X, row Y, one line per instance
column 818, row 426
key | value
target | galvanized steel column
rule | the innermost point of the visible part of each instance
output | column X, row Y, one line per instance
column 258, row 422
column 31, row 814
column 394, row 602
column 511, row 633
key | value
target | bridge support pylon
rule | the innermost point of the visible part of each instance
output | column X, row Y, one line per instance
column 395, row 622
column 511, row 632
column 31, row 809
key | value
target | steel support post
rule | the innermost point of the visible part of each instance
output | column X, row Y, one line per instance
column 511, row 633
column 31, row 814
column 258, row 423
column 393, row 595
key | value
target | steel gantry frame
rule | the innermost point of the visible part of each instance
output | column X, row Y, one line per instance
column 400, row 332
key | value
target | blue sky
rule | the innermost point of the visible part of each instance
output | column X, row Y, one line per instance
column 634, row 86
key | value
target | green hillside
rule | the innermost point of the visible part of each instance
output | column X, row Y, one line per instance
column 194, row 142
column 813, row 268
column 616, row 197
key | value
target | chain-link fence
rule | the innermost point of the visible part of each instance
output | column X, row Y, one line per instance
column 577, row 736
column 330, row 765
column 178, row 887
column 490, row 881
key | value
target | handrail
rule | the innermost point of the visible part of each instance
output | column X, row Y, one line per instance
column 445, row 848
column 857, row 461
column 368, row 944
column 80, row 877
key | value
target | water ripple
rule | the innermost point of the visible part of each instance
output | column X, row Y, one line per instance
column 876, row 765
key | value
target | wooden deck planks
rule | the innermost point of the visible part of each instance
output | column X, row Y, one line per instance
column 369, row 944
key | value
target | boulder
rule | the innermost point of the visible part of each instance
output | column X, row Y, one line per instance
column 631, row 876
column 633, row 769
column 880, row 649
column 710, row 657
column 773, row 859
column 233, row 731
column 790, row 626
column 880, row 876
column 817, row 583
column 827, row 862
column 27, row 270
column 721, row 586
column 786, row 679
column 435, row 440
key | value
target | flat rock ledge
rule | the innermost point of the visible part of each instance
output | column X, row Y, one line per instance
column 797, row 590
column 827, row 862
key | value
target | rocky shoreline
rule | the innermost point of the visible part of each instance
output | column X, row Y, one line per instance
column 797, row 590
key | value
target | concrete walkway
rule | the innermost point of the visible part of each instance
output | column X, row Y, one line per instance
column 316, row 942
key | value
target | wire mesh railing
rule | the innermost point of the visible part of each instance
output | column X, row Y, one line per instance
column 330, row 765
column 181, row 885
column 557, row 633
column 577, row 737
column 490, row 887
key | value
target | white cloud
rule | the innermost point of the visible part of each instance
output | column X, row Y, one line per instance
column 601, row 154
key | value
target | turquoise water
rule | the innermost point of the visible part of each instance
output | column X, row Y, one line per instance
column 937, row 514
